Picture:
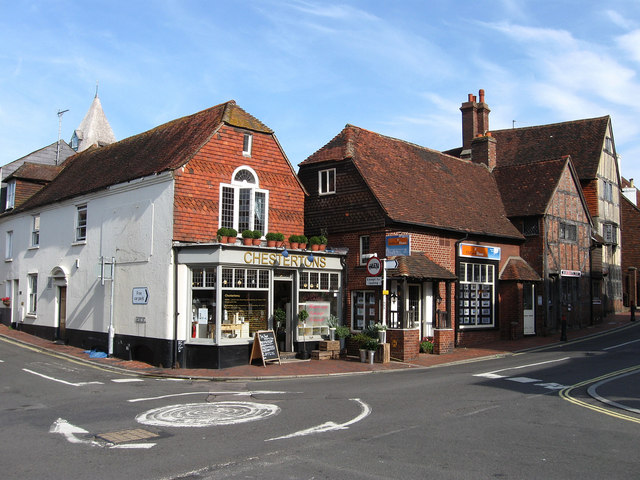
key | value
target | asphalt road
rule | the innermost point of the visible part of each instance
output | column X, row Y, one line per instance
column 566, row 412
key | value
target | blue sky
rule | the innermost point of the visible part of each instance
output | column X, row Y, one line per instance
column 307, row 68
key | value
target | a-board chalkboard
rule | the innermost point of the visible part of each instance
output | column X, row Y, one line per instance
column 264, row 346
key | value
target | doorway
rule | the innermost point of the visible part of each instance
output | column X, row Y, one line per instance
column 61, row 334
column 282, row 300
column 529, row 309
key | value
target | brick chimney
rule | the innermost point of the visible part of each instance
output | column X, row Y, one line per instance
column 475, row 120
column 483, row 150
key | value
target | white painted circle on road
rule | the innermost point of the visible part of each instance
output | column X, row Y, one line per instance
column 207, row 414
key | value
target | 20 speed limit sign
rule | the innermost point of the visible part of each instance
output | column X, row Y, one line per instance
column 374, row 266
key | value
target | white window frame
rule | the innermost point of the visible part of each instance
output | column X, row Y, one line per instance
column 81, row 223
column 327, row 181
column 32, row 282
column 479, row 278
column 11, row 195
column 363, row 259
column 237, row 187
column 247, row 144
column 35, row 230
column 8, row 245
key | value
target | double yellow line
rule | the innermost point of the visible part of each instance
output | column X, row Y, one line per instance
column 566, row 395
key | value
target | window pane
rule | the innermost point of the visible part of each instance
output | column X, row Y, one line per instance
column 260, row 212
column 227, row 207
column 244, row 209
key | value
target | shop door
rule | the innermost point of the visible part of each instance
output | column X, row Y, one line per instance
column 529, row 316
column 427, row 323
column 414, row 307
column 62, row 313
column 282, row 292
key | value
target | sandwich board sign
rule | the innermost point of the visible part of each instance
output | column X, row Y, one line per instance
column 264, row 346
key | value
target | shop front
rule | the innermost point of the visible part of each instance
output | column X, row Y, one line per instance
column 231, row 292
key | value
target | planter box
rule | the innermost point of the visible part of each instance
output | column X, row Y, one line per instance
column 320, row 355
column 383, row 353
column 329, row 345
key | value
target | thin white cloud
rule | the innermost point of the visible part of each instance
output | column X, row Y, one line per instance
column 630, row 43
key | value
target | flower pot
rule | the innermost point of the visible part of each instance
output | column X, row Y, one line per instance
column 343, row 343
column 363, row 355
column 302, row 246
column 223, row 239
column 257, row 241
column 332, row 334
column 6, row 302
column 247, row 241
column 382, row 336
column 315, row 247
column 271, row 243
column 293, row 245
column 322, row 247
column 231, row 240
column 371, row 354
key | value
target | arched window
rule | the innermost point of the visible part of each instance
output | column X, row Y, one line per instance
column 243, row 205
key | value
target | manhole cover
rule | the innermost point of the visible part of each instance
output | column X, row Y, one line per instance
column 207, row 414
column 127, row 435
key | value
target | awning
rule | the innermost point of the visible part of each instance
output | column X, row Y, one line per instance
column 419, row 267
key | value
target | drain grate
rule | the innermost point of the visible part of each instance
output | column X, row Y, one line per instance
column 127, row 435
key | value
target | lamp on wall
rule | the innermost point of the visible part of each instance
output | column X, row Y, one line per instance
column 310, row 258
column 285, row 254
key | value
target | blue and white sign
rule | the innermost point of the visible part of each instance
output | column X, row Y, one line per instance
column 398, row 246
column 140, row 295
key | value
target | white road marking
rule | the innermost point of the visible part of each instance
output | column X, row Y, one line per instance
column 523, row 379
column 551, row 386
column 80, row 384
column 68, row 431
column 207, row 414
column 329, row 426
column 621, row 345
column 238, row 394
column 134, row 445
column 126, row 380
column 487, row 374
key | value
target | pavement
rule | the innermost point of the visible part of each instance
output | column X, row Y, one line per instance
column 304, row 368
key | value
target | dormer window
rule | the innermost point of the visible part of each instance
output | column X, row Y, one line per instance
column 243, row 205
column 246, row 144
column 74, row 141
column 11, row 195
column 327, row 181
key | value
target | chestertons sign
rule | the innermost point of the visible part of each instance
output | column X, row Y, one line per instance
column 293, row 260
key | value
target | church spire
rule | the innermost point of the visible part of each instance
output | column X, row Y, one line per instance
column 94, row 128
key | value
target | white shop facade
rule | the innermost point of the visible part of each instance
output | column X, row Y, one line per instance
column 231, row 291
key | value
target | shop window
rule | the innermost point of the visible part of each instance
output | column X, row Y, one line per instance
column 327, row 181
column 476, row 298
column 243, row 205
column 364, row 314
column 203, row 303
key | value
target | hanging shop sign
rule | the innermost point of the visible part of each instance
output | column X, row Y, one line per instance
column 479, row 251
column 398, row 246
column 570, row 273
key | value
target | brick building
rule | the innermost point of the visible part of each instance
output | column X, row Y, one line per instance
column 630, row 233
column 370, row 193
column 121, row 251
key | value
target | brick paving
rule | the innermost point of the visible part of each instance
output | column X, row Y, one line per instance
column 311, row 367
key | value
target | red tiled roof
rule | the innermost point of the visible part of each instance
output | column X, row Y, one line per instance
column 163, row 148
column 583, row 140
column 420, row 186
column 516, row 268
column 527, row 189
column 36, row 172
column 418, row 266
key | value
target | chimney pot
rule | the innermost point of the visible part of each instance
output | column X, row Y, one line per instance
column 470, row 97
column 481, row 95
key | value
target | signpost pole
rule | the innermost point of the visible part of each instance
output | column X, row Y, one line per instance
column 384, row 291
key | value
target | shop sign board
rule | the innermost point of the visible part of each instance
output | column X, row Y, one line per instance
column 570, row 273
column 140, row 295
column 264, row 346
column 374, row 266
column 374, row 281
column 398, row 246
column 479, row 251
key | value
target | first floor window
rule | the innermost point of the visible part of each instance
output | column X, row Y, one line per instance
column 35, row 230
column 8, row 246
column 11, row 195
column 243, row 206
column 568, row 232
column 476, row 298
column 247, row 143
column 364, row 249
column 610, row 233
column 81, row 223
column 33, row 293
column 327, row 181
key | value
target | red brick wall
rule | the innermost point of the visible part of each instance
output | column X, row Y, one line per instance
column 443, row 341
column 630, row 233
column 197, row 185
column 405, row 344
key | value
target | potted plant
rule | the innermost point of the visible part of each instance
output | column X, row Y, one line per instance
column 6, row 301
column 382, row 332
column 426, row 346
column 315, row 243
column 302, row 242
column 342, row 332
column 323, row 243
column 302, row 320
column 333, row 324
column 223, row 234
column 233, row 233
column 361, row 339
column 280, row 321
column 257, row 235
column 272, row 238
column 247, row 237
column 294, row 240
column 371, row 345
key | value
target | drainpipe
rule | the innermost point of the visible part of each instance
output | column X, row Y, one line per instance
column 111, row 329
column 174, row 350
column 455, row 315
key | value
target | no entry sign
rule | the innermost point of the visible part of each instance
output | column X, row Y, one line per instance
column 374, row 266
